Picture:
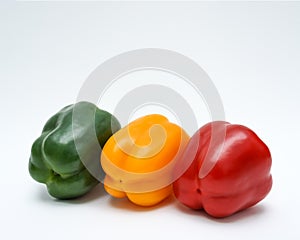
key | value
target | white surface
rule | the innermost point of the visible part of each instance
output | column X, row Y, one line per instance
column 250, row 50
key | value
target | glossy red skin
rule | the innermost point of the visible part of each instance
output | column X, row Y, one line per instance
column 240, row 179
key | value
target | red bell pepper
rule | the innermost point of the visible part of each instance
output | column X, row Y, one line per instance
column 235, row 175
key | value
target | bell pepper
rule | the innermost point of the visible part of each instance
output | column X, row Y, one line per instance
column 55, row 160
column 239, row 175
column 138, row 159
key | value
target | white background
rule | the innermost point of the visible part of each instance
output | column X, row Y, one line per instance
column 251, row 52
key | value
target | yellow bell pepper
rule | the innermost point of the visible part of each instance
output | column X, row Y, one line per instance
column 138, row 159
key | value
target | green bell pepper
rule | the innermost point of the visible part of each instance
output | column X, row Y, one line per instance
column 61, row 156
